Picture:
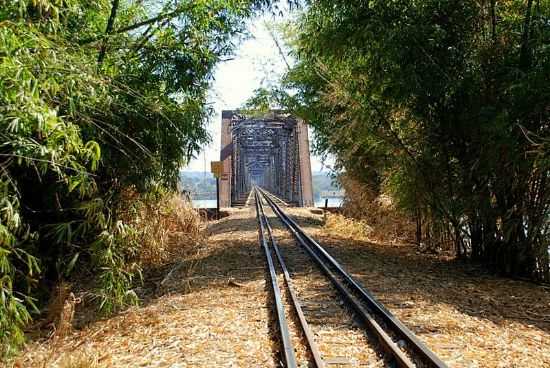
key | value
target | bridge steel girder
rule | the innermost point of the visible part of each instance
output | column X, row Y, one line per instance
column 271, row 151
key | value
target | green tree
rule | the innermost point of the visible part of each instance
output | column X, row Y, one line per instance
column 96, row 97
column 445, row 104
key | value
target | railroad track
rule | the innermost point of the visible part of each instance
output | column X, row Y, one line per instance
column 400, row 347
column 276, row 199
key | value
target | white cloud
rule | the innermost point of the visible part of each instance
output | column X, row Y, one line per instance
column 257, row 60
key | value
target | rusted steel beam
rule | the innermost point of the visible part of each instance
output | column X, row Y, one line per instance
column 272, row 151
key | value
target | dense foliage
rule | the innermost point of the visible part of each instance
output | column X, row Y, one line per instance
column 443, row 104
column 96, row 98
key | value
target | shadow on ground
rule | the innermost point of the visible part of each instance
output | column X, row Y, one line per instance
column 405, row 273
column 397, row 272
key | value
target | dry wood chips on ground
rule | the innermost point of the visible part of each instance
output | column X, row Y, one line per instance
column 215, row 317
column 218, row 315
column 466, row 316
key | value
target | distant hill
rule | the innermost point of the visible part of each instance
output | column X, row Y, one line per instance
column 322, row 181
column 202, row 185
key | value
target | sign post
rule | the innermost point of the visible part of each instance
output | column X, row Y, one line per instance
column 216, row 167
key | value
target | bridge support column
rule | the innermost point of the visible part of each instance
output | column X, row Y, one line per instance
column 306, row 180
column 225, row 157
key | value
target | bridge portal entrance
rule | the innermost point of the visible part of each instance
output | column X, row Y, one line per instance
column 271, row 151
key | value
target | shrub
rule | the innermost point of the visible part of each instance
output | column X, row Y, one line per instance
column 97, row 98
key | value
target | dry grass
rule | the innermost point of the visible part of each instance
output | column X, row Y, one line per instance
column 61, row 310
column 214, row 310
column 80, row 360
column 346, row 227
column 471, row 319
column 378, row 212
column 165, row 227
column 171, row 238
column 211, row 312
column 169, row 227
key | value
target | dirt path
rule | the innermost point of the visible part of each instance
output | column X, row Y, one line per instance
column 218, row 315
column 466, row 316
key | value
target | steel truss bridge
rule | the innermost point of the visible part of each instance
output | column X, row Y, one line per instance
column 271, row 151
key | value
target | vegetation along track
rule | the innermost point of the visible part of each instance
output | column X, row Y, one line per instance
column 400, row 346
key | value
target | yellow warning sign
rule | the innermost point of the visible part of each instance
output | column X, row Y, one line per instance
column 216, row 167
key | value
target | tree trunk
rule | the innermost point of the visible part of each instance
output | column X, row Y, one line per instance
column 418, row 227
column 525, row 57
column 108, row 30
column 493, row 21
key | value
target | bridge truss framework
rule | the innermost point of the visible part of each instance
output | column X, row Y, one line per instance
column 271, row 151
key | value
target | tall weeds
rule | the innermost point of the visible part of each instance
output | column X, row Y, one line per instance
column 164, row 224
column 100, row 107
column 380, row 219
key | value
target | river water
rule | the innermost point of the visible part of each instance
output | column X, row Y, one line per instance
column 211, row 203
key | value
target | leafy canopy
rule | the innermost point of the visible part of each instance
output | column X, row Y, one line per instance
column 96, row 97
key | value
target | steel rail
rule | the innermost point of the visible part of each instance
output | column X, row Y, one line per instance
column 310, row 339
column 279, row 200
column 288, row 349
column 322, row 258
column 400, row 358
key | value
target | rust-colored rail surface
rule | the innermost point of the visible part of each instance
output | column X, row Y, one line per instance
column 403, row 347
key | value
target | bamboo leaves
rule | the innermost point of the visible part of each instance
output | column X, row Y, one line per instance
column 416, row 100
column 74, row 136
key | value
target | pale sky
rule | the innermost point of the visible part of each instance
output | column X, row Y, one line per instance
column 257, row 59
